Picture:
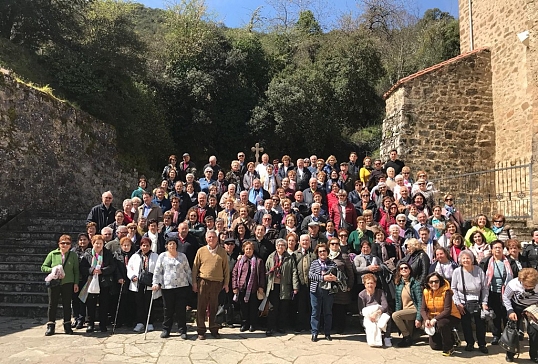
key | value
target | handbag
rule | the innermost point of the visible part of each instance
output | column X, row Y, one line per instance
column 532, row 315
column 471, row 306
column 510, row 337
column 146, row 278
column 57, row 282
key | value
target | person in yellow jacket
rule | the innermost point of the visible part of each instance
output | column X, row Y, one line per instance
column 439, row 313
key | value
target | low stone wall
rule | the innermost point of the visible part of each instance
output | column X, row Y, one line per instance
column 441, row 118
column 53, row 156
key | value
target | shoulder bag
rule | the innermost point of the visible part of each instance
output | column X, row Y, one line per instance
column 471, row 306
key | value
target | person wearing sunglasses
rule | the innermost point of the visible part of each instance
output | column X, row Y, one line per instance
column 65, row 282
column 342, row 298
column 408, row 299
column 452, row 213
column 501, row 229
column 439, row 313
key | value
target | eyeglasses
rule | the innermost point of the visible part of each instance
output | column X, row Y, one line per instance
column 405, row 172
column 107, row 234
column 132, row 228
column 421, row 184
column 364, row 195
column 404, row 268
column 241, row 156
column 343, row 235
column 276, row 200
column 401, row 220
column 448, row 199
column 498, row 221
column 65, row 243
column 421, row 175
column 334, row 244
column 434, row 282
column 322, row 251
column 393, row 207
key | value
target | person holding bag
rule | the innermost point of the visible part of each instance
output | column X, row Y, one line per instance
column 65, row 283
column 519, row 294
column 140, row 271
column 470, row 296
column 101, row 265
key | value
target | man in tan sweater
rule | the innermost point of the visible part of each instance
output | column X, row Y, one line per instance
column 210, row 275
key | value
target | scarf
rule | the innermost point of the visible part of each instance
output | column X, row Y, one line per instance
column 277, row 267
column 367, row 257
column 450, row 210
column 252, row 277
column 333, row 255
column 154, row 239
column 430, row 250
column 497, row 230
column 97, row 259
column 508, row 275
column 455, row 252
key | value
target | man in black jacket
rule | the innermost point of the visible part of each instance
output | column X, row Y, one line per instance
column 394, row 162
column 103, row 214
column 303, row 175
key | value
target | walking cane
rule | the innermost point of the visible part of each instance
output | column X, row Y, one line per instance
column 149, row 314
column 117, row 310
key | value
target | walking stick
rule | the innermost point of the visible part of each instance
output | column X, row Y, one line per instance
column 117, row 310
column 149, row 314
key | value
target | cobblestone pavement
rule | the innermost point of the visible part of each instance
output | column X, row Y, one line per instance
column 23, row 341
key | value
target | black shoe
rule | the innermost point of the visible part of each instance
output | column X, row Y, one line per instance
column 483, row 349
column 314, row 338
column 67, row 328
column 405, row 342
column 281, row 331
column 50, row 330
column 328, row 338
column 165, row 334
column 102, row 328
column 215, row 335
column 495, row 340
column 79, row 324
column 469, row 347
column 269, row 333
column 184, row 336
column 243, row 328
column 251, row 329
column 509, row 358
column 90, row 328
column 534, row 360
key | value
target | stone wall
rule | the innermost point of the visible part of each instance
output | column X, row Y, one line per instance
column 496, row 25
column 441, row 118
column 53, row 156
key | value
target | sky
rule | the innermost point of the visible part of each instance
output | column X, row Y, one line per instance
column 236, row 13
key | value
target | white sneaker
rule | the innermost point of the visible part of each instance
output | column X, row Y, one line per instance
column 150, row 327
column 139, row 327
column 388, row 342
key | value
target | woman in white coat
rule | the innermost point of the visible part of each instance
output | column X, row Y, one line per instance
column 140, row 264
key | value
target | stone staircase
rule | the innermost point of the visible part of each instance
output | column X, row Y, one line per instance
column 25, row 241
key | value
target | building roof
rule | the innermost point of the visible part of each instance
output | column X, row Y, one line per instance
column 433, row 68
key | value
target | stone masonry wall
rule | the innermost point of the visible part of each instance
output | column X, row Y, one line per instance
column 496, row 25
column 441, row 119
column 53, row 156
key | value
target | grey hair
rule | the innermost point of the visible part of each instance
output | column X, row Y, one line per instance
column 127, row 201
column 466, row 252
column 280, row 240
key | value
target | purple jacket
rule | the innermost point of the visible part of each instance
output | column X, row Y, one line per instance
column 239, row 277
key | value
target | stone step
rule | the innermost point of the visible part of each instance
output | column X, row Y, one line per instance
column 29, row 276
column 24, row 297
column 22, row 249
column 26, row 242
column 21, row 266
column 57, row 215
column 23, row 286
column 10, row 257
column 46, row 235
column 33, row 310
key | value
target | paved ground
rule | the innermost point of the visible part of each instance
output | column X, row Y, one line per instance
column 23, row 341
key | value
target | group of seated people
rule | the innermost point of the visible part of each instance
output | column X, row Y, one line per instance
column 300, row 241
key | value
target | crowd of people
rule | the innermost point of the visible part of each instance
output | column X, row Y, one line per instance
column 296, row 247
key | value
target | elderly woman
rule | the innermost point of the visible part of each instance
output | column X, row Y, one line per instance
column 498, row 274
column 358, row 235
column 64, row 284
column 322, row 276
column 438, row 221
column 517, row 261
column 172, row 164
column 451, row 213
column 248, row 280
column 483, row 225
column 417, row 259
column 127, row 211
column 408, row 294
column 250, row 176
column 389, row 218
column 479, row 248
column 142, row 264
column 420, row 203
column 342, row 299
column 502, row 231
column 366, row 262
column 173, row 276
column 119, row 221
column 439, row 312
column 91, row 229
column 519, row 294
column 99, row 263
column 282, row 285
column 372, row 296
column 79, row 307
column 470, row 296
column 330, row 165
column 444, row 239
column 290, row 226
column 455, row 245
column 366, row 169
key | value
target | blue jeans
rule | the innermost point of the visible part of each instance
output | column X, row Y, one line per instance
column 321, row 301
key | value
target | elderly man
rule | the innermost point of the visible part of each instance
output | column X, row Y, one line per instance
column 187, row 243
column 210, row 275
column 114, row 245
column 213, row 165
column 303, row 175
column 230, row 193
column 103, row 214
column 186, row 167
column 343, row 213
column 304, row 256
column 314, row 217
column 257, row 194
column 313, row 161
column 149, row 209
column 262, row 167
column 316, row 237
column 244, row 218
column 161, row 200
column 203, row 208
column 309, row 192
column 243, row 201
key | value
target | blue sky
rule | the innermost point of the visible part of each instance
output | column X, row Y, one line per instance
column 236, row 13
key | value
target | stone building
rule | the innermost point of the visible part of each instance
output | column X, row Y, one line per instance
column 472, row 121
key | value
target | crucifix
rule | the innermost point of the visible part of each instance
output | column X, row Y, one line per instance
column 257, row 150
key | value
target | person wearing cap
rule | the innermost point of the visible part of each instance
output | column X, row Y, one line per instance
column 314, row 217
column 207, row 180
column 185, row 167
column 173, row 277
column 210, row 275
column 316, row 237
